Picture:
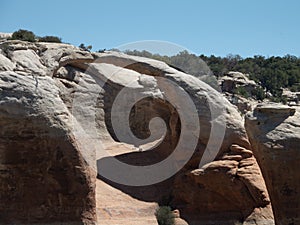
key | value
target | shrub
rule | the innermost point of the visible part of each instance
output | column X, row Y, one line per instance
column 165, row 216
column 295, row 88
column 259, row 93
column 240, row 90
column 101, row 50
column 23, row 35
column 53, row 39
column 85, row 48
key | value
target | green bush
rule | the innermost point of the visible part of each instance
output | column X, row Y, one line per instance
column 23, row 35
column 295, row 88
column 53, row 39
column 165, row 216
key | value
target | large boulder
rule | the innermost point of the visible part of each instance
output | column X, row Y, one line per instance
column 44, row 178
column 240, row 90
column 274, row 132
column 60, row 111
column 228, row 189
column 232, row 80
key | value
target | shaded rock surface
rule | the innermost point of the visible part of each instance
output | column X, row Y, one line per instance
column 274, row 132
column 56, row 107
column 232, row 83
column 230, row 184
column 43, row 175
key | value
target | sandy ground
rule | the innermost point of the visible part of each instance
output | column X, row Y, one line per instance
column 115, row 207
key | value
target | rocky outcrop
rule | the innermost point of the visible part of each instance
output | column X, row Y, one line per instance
column 274, row 132
column 59, row 109
column 232, row 80
column 44, row 178
column 292, row 98
column 240, row 90
column 230, row 184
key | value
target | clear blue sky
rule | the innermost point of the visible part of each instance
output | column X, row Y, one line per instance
column 219, row 27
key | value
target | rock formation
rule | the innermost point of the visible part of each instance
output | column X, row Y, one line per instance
column 274, row 132
column 5, row 36
column 57, row 110
column 292, row 98
column 233, row 80
column 43, row 175
column 230, row 184
column 233, row 83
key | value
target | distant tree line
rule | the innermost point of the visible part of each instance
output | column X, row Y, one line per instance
column 272, row 73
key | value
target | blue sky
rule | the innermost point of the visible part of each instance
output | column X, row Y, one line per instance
column 256, row 27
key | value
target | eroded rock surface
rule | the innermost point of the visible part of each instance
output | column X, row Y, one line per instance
column 274, row 132
column 56, row 114
column 231, row 184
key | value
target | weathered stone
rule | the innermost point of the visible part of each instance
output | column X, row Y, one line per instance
column 44, row 178
column 274, row 132
column 28, row 61
column 56, row 122
column 225, row 190
column 6, row 64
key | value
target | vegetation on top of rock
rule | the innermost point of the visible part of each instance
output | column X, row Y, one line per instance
column 26, row 35
column 23, row 35
column 185, row 62
column 272, row 73
column 85, row 48
column 101, row 50
column 165, row 216
column 53, row 39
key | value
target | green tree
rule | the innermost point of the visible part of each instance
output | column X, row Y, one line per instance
column 50, row 39
column 23, row 35
column 272, row 73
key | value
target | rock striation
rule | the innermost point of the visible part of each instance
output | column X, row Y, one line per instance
column 240, row 90
column 274, row 132
column 56, row 114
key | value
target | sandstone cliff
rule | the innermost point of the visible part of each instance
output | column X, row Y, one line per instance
column 274, row 132
column 58, row 118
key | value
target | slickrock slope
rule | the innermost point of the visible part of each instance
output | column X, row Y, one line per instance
column 274, row 132
column 56, row 116
column 43, row 176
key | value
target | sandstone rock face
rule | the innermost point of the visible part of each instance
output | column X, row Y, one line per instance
column 231, row 184
column 43, row 176
column 236, row 79
column 274, row 132
column 57, row 111
column 233, row 83
column 292, row 98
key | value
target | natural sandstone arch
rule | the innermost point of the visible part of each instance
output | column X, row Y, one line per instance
column 71, row 77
